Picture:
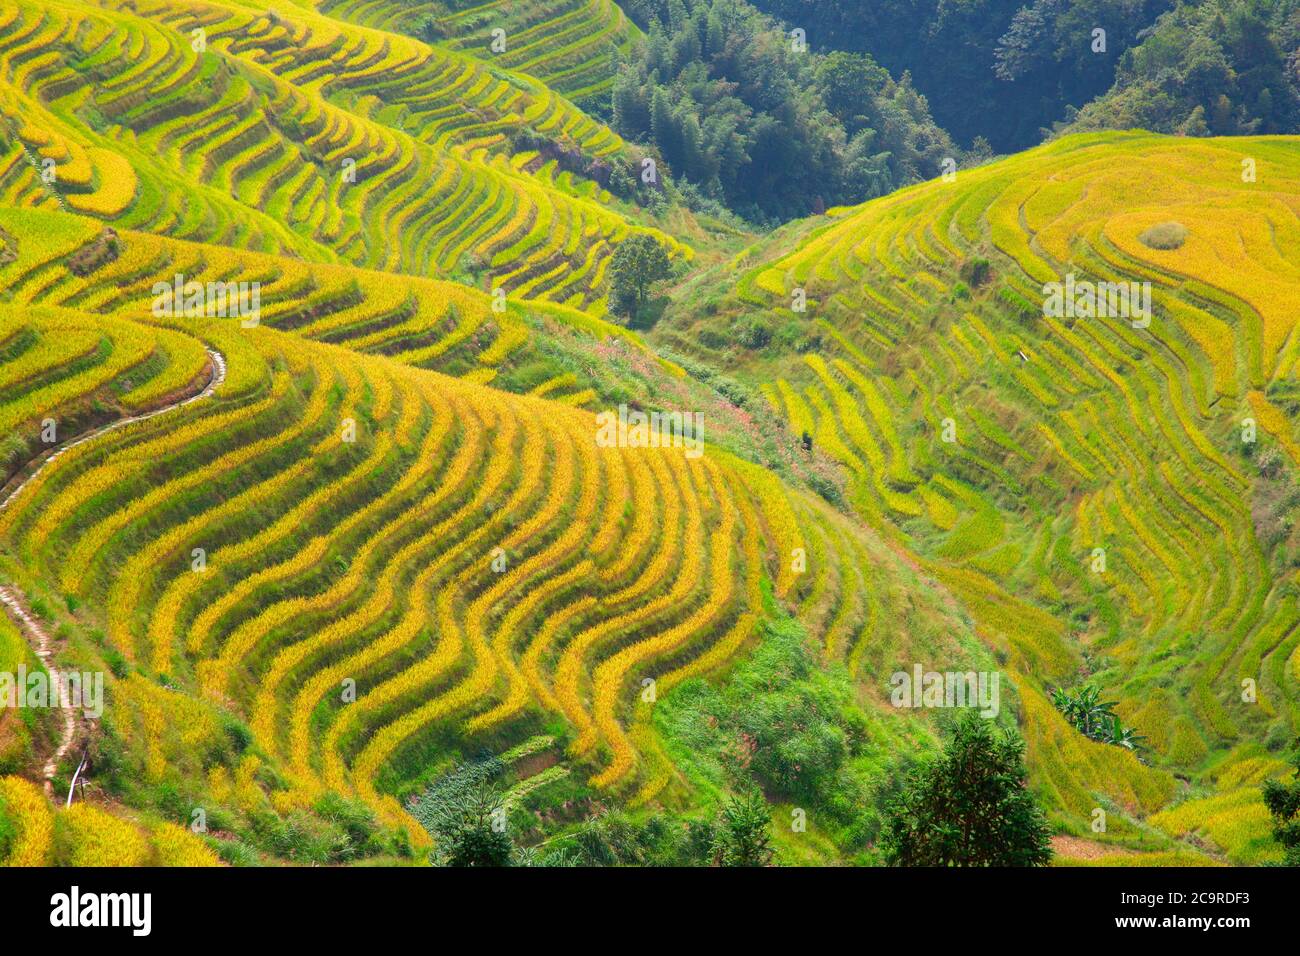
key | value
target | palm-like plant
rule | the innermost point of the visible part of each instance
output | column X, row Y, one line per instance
column 1125, row 737
column 1095, row 718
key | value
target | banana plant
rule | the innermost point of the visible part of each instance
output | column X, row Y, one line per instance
column 1095, row 718
column 1125, row 737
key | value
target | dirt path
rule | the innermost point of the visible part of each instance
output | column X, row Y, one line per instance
column 15, row 602
column 1079, row 849
column 16, row 605
column 218, row 376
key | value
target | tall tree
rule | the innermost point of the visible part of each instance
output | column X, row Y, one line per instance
column 969, row 806
column 638, row 263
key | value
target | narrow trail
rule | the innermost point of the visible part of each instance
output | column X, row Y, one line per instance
column 218, row 376
column 15, row 602
column 45, row 648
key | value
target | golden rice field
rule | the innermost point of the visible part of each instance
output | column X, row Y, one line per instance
column 290, row 132
column 350, row 503
column 424, row 323
column 1004, row 447
column 325, row 551
column 565, row 43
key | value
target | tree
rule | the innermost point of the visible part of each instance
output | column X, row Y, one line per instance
column 969, row 806
column 469, row 826
column 1195, row 124
column 744, row 832
column 843, row 78
column 1283, row 802
column 638, row 263
column 732, row 109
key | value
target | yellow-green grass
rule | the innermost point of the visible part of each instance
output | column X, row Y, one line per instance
column 565, row 43
column 1127, row 439
column 350, row 511
column 421, row 322
column 290, row 132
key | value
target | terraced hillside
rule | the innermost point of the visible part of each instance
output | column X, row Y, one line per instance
column 569, row 44
column 352, row 529
column 85, row 835
column 472, row 564
column 72, row 262
column 286, row 131
column 1106, row 496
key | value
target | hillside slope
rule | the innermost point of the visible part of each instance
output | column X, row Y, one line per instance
column 568, row 44
column 1107, row 496
column 470, row 564
column 290, row 132
column 357, row 525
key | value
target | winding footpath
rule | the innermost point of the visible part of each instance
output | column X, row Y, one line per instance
column 16, row 603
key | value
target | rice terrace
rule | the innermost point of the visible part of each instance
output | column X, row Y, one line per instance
column 578, row 433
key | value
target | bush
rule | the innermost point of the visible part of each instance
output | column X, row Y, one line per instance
column 976, row 271
column 354, row 820
column 1283, row 802
column 1095, row 718
column 300, row 837
column 752, row 333
column 969, row 806
column 613, row 839
column 1164, row 235
column 464, row 813
column 744, row 832
column 471, row 830
column 240, row 737
column 711, row 338
column 826, row 488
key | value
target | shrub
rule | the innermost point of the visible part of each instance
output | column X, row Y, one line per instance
column 613, row 839
column 1095, row 718
column 969, row 806
column 354, row 820
column 1164, row 235
column 470, row 830
column 744, row 832
column 976, row 271
column 117, row 664
column 241, row 738
column 752, row 333
column 1283, row 802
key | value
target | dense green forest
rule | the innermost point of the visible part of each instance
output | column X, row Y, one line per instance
column 1001, row 69
column 781, row 108
column 1006, row 70
column 1209, row 69
column 748, row 116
